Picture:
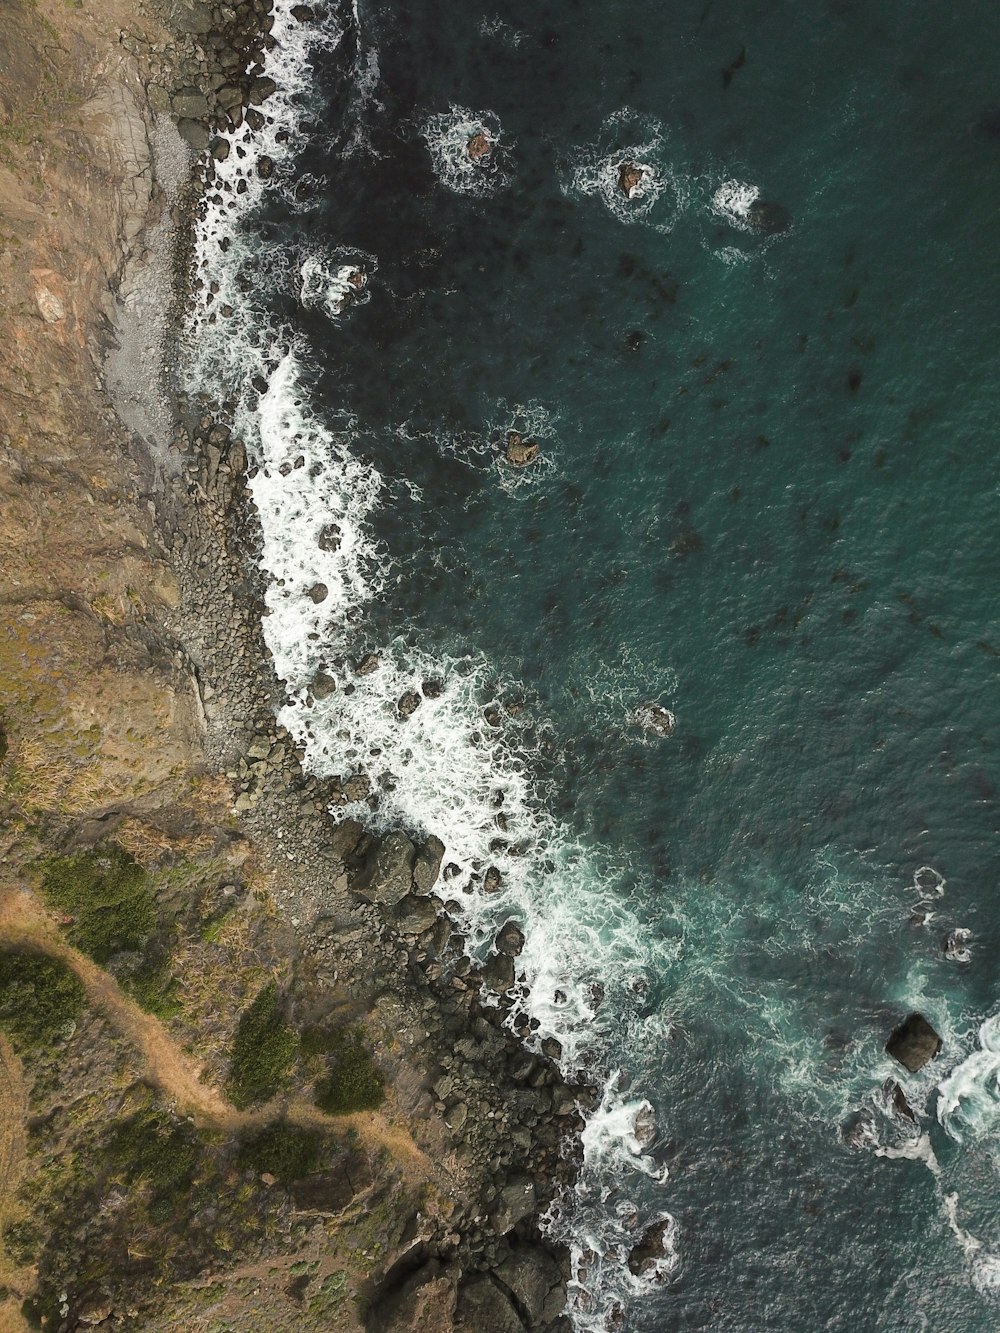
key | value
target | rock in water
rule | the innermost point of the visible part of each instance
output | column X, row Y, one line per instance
column 630, row 178
column 654, row 1245
column 894, row 1096
column 478, row 147
column 656, row 719
column 767, row 217
column 956, row 945
column 519, row 451
column 913, row 1043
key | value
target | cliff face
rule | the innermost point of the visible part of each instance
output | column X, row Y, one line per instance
column 233, row 1090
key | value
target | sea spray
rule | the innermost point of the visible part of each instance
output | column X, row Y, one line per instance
column 449, row 767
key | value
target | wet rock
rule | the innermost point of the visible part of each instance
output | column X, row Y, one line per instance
column 408, row 703
column 265, row 167
column 357, row 787
column 478, row 147
column 893, row 1096
column 427, row 866
column 261, row 89
column 644, row 1126
column 319, row 592
column 655, row 1245
column 432, row 689
column 536, row 1283
column 518, row 451
column 510, row 939
column 387, row 874
column 498, row 973
column 189, row 104
column 656, row 719
column 630, row 177
column 956, row 945
column 492, row 880
column 220, row 149
column 516, row 1201
column 194, row 134
column 913, row 1043
column 367, row 664
column 768, row 217
column 928, row 880
column 859, row 1131
column 323, row 685
column 329, row 537
column 303, row 14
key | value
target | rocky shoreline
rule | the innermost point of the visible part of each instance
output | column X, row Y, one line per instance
column 498, row 1122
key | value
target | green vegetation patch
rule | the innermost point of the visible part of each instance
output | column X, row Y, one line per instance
column 263, row 1049
column 285, row 1151
column 161, row 1153
column 107, row 894
column 40, row 1000
column 156, row 989
column 352, row 1082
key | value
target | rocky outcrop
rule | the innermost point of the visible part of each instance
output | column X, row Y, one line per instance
column 656, row 719
column 518, row 451
column 913, row 1043
column 630, row 177
column 479, row 146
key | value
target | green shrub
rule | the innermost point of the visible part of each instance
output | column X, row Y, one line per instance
column 284, row 1150
column 263, row 1048
column 107, row 894
column 156, row 1150
column 352, row 1082
column 156, row 989
column 40, row 999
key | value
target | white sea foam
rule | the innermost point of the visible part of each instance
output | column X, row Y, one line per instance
column 661, row 194
column 448, row 768
column 969, row 1098
column 732, row 201
column 448, row 135
column 337, row 281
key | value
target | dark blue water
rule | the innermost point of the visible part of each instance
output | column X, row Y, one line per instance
column 767, row 498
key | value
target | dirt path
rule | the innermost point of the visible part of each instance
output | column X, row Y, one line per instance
column 13, row 1115
column 25, row 923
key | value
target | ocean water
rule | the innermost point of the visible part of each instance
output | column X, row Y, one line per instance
column 766, row 499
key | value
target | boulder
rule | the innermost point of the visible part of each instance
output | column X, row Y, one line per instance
column 329, row 537
column 261, row 89
column 630, row 177
column 319, row 593
column 498, row 973
column 956, row 945
column 427, row 865
column 536, row 1283
column 510, row 939
column 655, row 1245
column 478, row 147
column 893, row 1096
column 515, row 1202
column 492, row 880
column 190, row 104
column 415, row 915
column 424, row 1303
column 913, row 1043
column 656, row 719
column 519, row 452
column 387, row 874
column 484, row 1308
column 432, row 689
column 408, row 703
column 768, row 217
column 194, row 134
column 323, row 685
column 367, row 664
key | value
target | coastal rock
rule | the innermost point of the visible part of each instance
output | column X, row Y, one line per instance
column 329, row 537
column 510, row 939
column 189, row 104
column 859, row 1130
column 424, row 1303
column 367, row 664
column 894, row 1096
column 319, row 593
column 768, row 217
column 194, row 134
column 498, row 973
column 478, row 147
column 655, row 1245
column 492, row 880
column 535, row 1280
column 956, row 945
column 432, row 689
column 483, row 1306
column 387, row 874
column 427, row 865
column 913, row 1043
column 656, row 719
column 322, row 685
column 261, row 89
column 414, row 915
column 519, row 452
column 516, row 1201
column 408, row 703
column 630, row 177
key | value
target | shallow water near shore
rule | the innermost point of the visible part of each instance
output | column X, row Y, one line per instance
column 765, row 499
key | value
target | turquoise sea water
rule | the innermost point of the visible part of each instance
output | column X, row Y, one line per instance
column 768, row 499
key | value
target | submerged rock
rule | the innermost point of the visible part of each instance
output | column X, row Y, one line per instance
column 656, row 719
column 913, row 1043
column 408, row 703
column 630, row 177
column 956, row 945
column 893, row 1096
column 519, row 452
column 859, row 1131
column 768, row 217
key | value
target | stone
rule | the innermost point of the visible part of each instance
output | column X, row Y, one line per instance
column 329, row 537
column 518, row 451
column 427, row 866
column 94, row 1312
column 630, row 177
column 956, row 945
column 768, row 217
column 456, row 1116
column 432, row 689
column 535, row 1280
column 424, row 1303
column 478, row 146
column 265, row 167
column 367, row 664
column 894, row 1096
column 319, row 593
column 492, row 880
column 194, row 134
column 655, row 1245
column 516, row 1201
column 323, row 685
column 498, row 973
column 415, row 915
column 387, row 874
column 408, row 703
column 510, row 939
column 656, row 719
column 261, row 89
column 190, row 104
column 913, row 1043
column 220, row 149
